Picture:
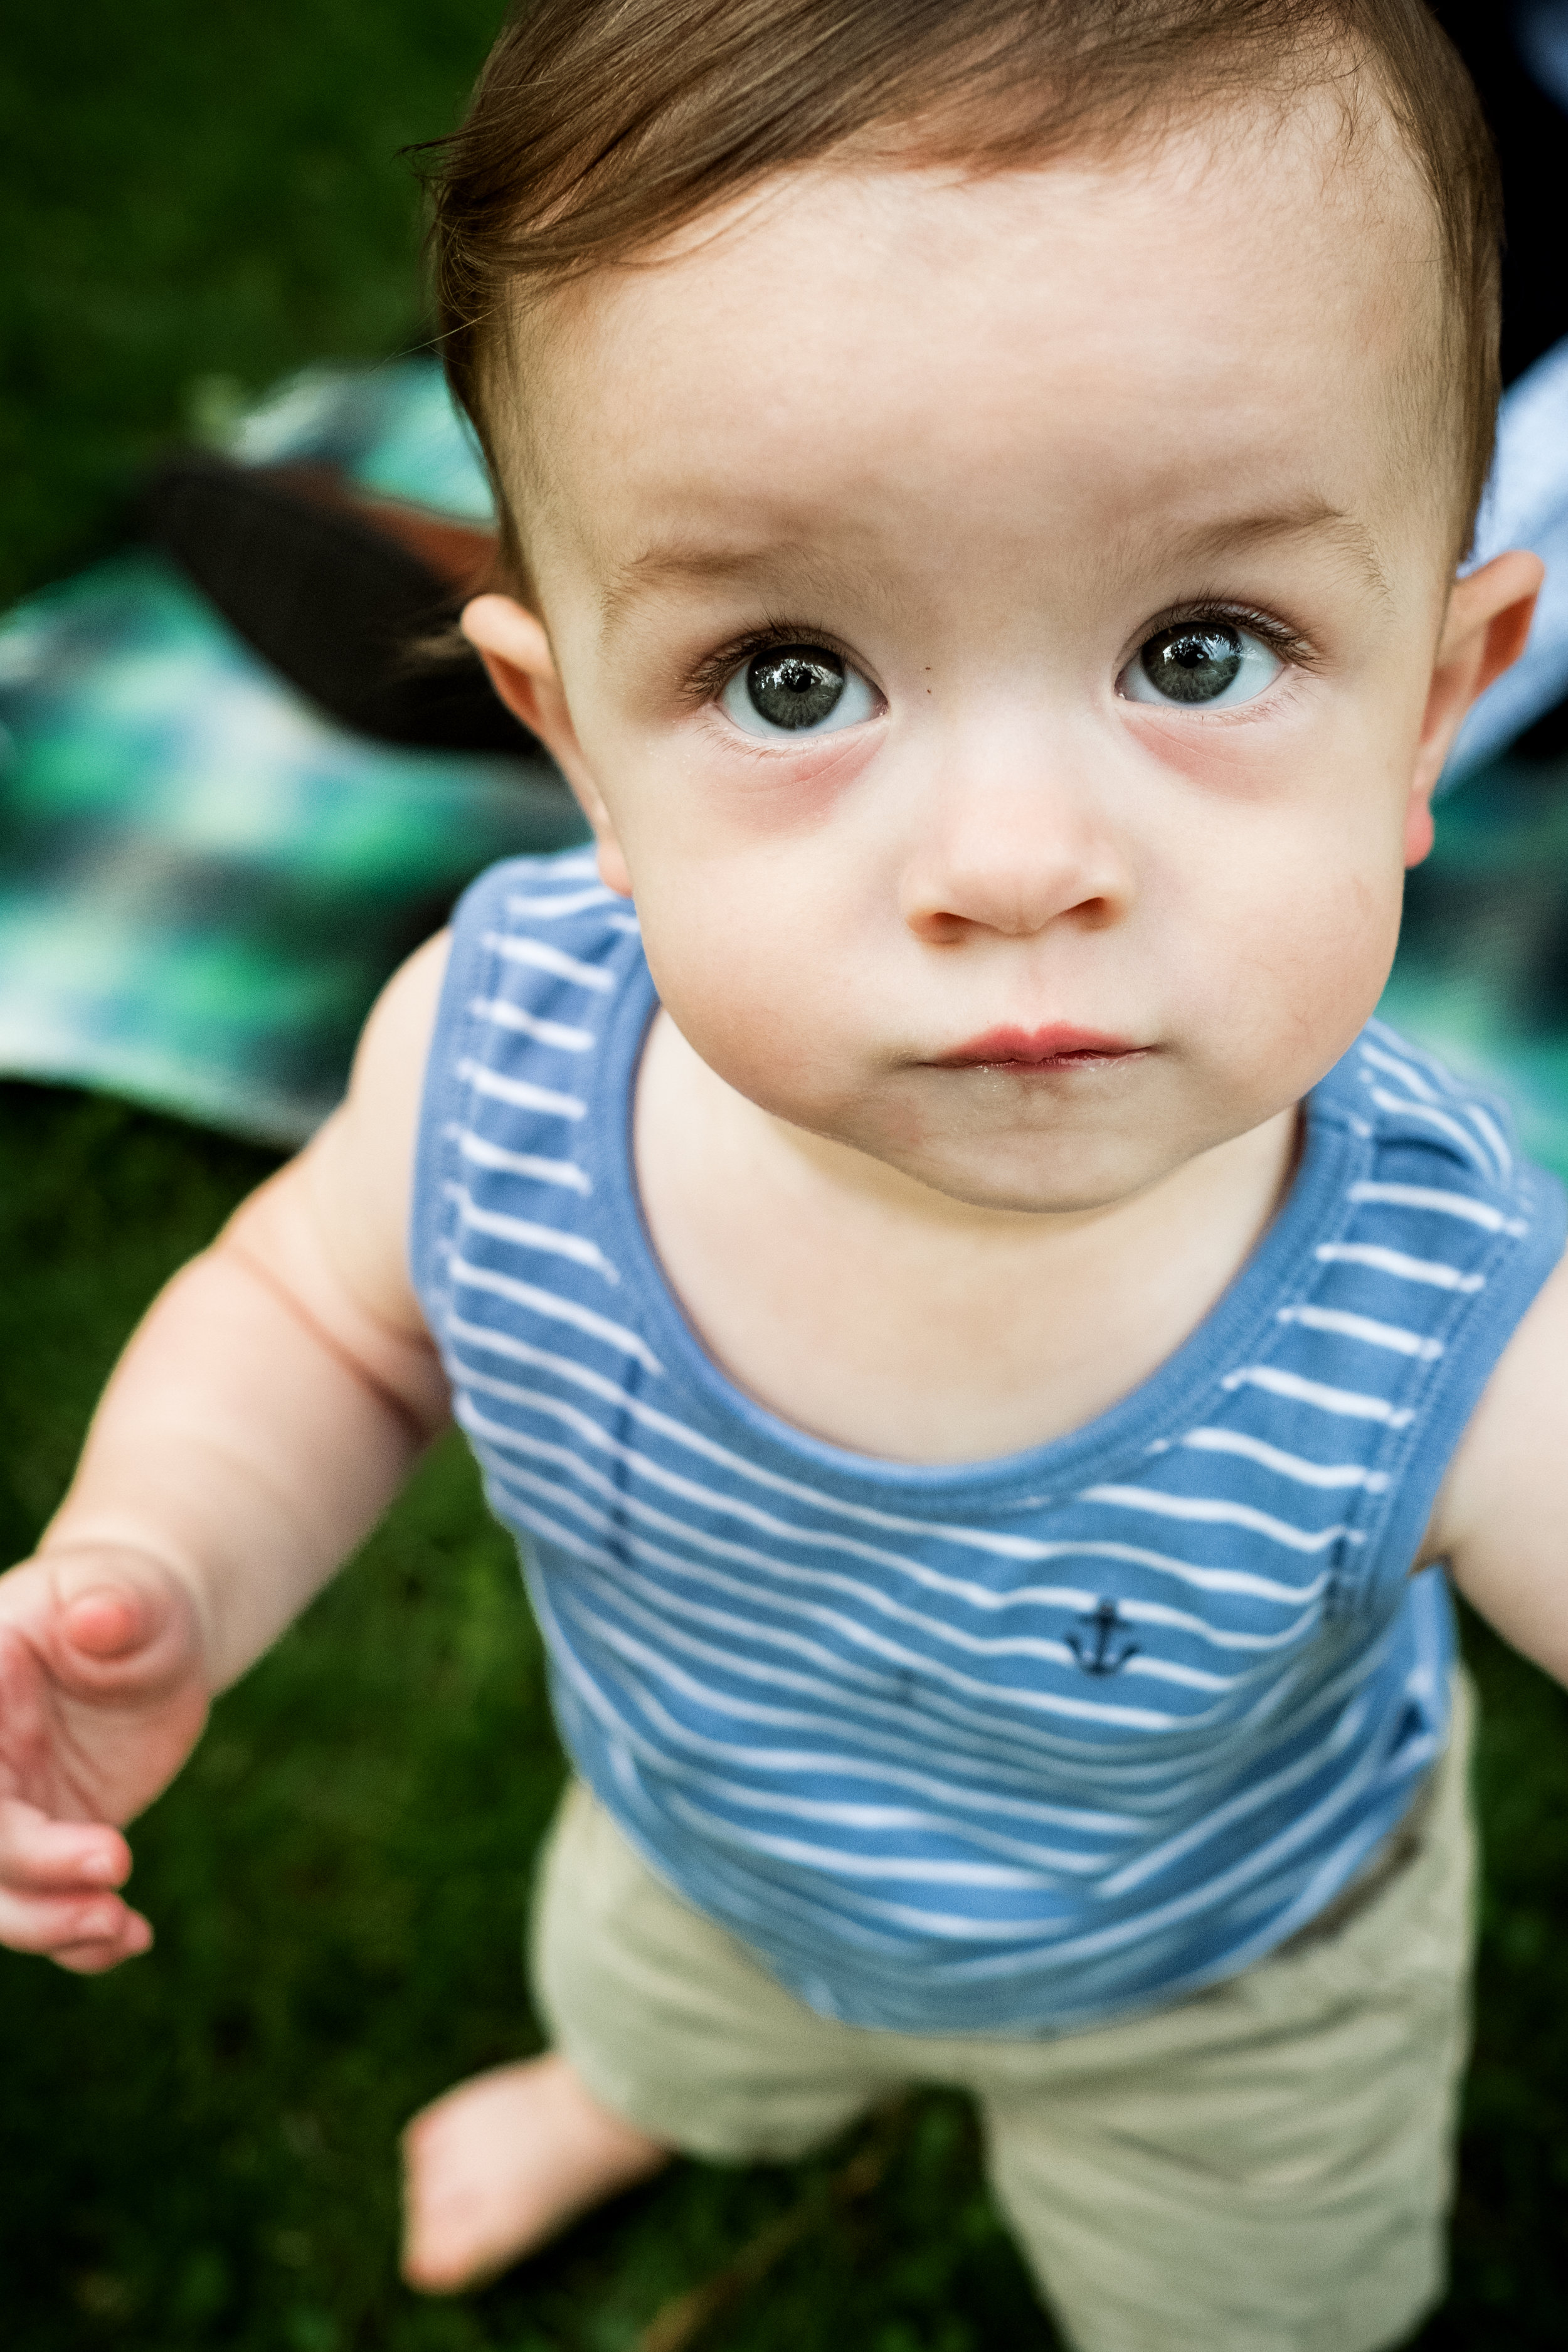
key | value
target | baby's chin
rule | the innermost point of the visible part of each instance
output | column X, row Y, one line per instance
column 1078, row 1169
column 1048, row 1185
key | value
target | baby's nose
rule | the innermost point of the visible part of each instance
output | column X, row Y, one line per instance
column 1013, row 857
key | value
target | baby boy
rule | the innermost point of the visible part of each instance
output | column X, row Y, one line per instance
column 987, row 1346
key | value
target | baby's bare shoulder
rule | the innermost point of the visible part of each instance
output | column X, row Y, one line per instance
column 1501, row 1520
column 380, row 1113
column 331, row 1229
column 361, row 1167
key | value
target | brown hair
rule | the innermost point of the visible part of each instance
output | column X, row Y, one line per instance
column 598, row 127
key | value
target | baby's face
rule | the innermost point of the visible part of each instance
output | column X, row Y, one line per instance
column 996, row 622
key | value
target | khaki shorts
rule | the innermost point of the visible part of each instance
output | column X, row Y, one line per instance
column 1262, row 2167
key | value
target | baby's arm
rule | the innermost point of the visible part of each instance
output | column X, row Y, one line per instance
column 262, row 1416
column 1501, row 1521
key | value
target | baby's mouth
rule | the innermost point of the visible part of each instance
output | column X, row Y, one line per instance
column 1058, row 1047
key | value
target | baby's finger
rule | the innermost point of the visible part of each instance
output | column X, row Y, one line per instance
column 57, row 1923
column 92, row 1959
column 44, row 1856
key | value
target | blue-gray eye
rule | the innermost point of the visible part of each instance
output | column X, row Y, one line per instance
column 1206, row 664
column 795, row 690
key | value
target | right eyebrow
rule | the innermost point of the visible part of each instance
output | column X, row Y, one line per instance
column 675, row 562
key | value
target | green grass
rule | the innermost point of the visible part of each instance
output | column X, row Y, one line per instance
column 199, row 2150
column 191, row 189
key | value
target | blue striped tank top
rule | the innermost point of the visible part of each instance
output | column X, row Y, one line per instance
column 1003, row 1747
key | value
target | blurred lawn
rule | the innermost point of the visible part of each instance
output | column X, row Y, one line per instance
column 199, row 2149
column 190, row 189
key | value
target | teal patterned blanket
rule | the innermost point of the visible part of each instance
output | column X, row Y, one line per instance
column 203, row 881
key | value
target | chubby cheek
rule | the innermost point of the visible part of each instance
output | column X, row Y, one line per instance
column 766, row 929
column 1309, row 946
column 750, row 988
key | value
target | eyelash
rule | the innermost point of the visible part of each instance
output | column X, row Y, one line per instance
column 713, row 673
column 1276, row 634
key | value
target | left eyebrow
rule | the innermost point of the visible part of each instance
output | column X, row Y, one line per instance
column 1314, row 518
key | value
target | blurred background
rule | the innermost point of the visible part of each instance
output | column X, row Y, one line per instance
column 223, row 818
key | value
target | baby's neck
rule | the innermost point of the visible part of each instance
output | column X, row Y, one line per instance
column 883, row 1318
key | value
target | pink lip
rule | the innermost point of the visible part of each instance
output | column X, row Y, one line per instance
column 1056, row 1047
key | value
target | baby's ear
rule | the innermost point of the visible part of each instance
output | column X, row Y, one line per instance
column 1487, row 620
column 514, row 646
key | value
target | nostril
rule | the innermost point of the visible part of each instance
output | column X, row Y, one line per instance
column 937, row 928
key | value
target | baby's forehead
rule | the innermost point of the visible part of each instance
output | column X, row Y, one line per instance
column 1244, row 312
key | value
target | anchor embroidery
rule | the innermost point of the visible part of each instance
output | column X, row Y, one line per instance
column 1096, row 1657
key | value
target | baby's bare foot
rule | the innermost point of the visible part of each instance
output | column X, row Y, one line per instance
column 496, row 2167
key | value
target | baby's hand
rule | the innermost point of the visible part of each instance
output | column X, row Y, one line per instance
column 103, row 1697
